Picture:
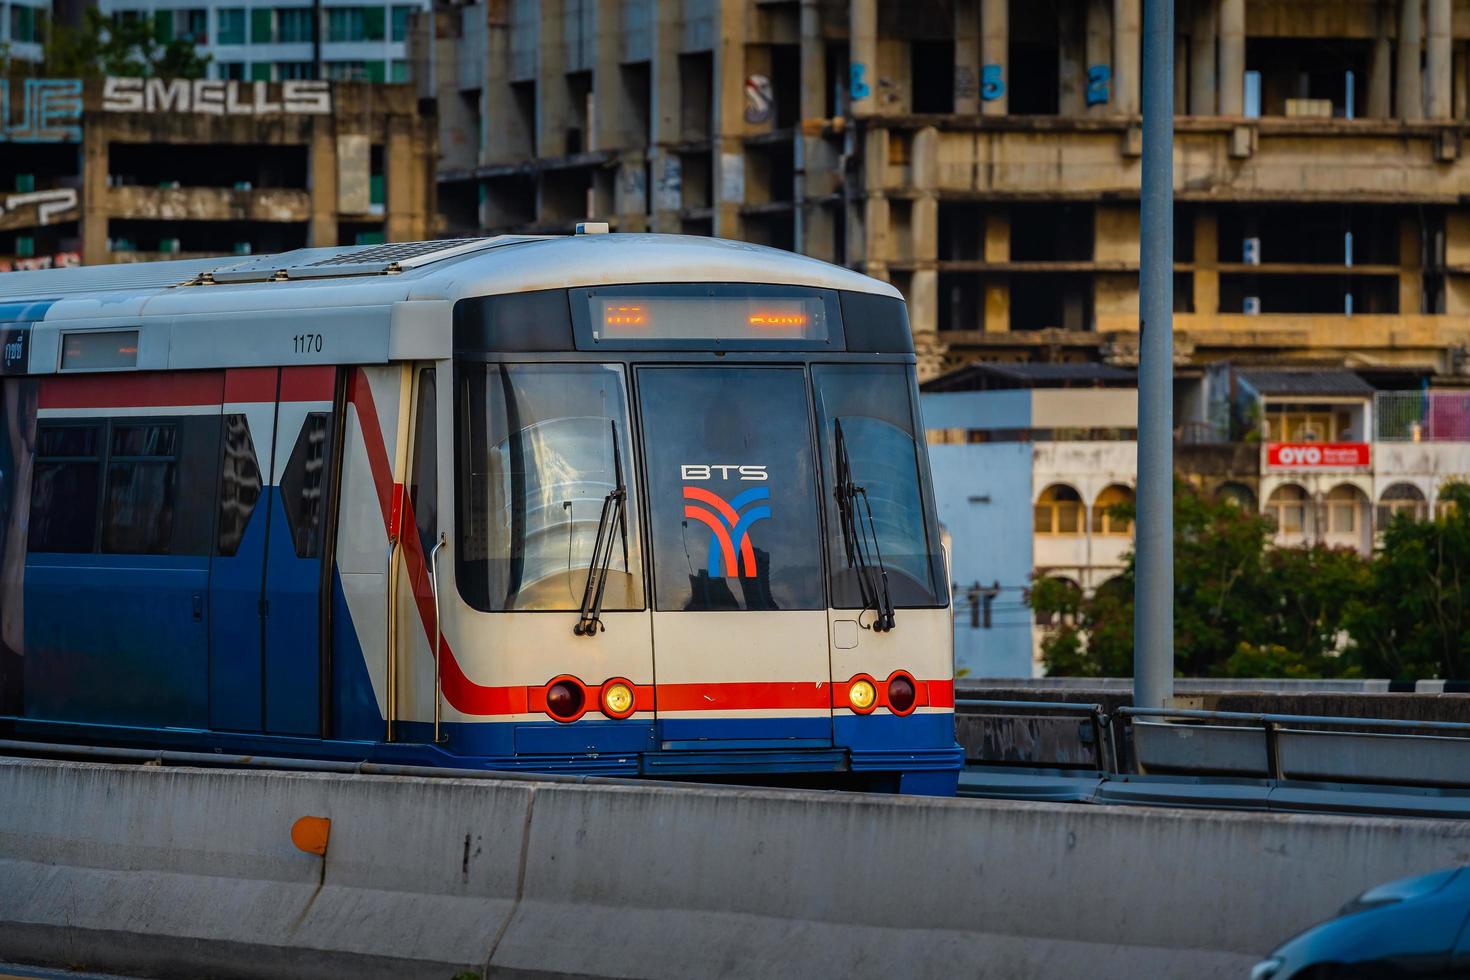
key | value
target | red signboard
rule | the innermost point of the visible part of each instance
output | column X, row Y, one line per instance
column 1316, row 455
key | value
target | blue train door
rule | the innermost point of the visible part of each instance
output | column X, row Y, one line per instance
column 266, row 656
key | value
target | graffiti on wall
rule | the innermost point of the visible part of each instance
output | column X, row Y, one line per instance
column 1099, row 82
column 61, row 260
column 215, row 97
column 992, row 82
column 41, row 110
column 49, row 204
column 49, row 110
column 760, row 99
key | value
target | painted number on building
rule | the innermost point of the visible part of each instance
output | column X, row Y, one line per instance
column 1309, row 455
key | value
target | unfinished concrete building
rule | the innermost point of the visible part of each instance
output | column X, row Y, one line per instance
column 132, row 169
column 983, row 155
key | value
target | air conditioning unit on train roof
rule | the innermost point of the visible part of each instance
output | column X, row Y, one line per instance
column 363, row 260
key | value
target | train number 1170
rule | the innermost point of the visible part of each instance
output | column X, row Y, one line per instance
column 308, row 343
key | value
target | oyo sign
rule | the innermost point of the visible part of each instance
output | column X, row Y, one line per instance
column 1312, row 455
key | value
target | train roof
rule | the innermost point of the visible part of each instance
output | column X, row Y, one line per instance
column 381, row 302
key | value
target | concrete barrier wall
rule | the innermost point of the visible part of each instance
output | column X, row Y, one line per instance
column 183, row 872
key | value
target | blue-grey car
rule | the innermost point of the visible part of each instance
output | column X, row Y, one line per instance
column 1415, row 927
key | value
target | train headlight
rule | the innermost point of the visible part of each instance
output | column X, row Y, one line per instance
column 902, row 693
column 565, row 700
column 861, row 694
column 617, row 699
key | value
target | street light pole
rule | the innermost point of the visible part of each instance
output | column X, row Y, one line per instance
column 1153, row 626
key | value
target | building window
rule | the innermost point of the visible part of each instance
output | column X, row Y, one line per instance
column 399, row 71
column 286, row 70
column 400, row 22
column 1287, row 506
column 1343, row 505
column 231, row 26
column 1104, row 519
column 1402, row 498
column 355, row 24
column 1306, row 423
column 1058, row 511
column 25, row 24
column 230, row 70
column 293, row 25
column 262, row 26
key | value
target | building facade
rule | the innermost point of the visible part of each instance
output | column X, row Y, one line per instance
column 268, row 40
column 131, row 169
column 983, row 155
column 1025, row 489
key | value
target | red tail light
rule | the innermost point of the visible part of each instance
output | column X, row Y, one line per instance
column 901, row 693
column 565, row 701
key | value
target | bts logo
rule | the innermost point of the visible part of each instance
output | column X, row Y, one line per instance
column 706, row 471
column 729, row 523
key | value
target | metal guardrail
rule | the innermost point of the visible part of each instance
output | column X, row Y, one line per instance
column 1249, row 760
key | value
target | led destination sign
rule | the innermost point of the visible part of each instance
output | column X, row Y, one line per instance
column 626, row 317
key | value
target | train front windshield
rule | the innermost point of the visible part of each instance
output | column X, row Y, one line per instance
column 761, row 443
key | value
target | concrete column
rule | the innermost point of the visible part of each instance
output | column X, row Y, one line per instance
column 663, row 117
column 995, row 39
column 863, row 58
column 1071, row 62
column 323, row 229
column 1380, row 68
column 500, row 140
column 1438, row 98
column 1231, row 26
column 966, row 57
column 815, row 163
column 1202, row 98
column 1410, row 88
column 404, row 207
column 1206, row 263
column 998, row 290
column 1099, row 57
column 924, row 232
column 554, row 108
column 1457, row 82
column 614, row 115
column 95, row 193
column 729, row 122
column 1411, row 267
column 1127, row 28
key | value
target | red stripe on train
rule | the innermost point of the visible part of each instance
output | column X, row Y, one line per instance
column 145, row 389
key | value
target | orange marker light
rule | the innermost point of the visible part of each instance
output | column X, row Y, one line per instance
column 310, row 834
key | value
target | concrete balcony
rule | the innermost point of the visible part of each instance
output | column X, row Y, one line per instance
column 208, row 204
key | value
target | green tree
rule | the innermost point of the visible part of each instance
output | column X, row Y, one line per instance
column 1241, row 607
column 1413, row 621
column 129, row 46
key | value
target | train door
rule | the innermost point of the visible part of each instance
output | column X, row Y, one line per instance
column 265, row 591
column 739, row 622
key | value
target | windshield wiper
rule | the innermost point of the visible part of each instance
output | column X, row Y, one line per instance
column 615, row 503
column 860, row 539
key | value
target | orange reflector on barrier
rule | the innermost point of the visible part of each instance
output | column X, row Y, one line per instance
column 310, row 834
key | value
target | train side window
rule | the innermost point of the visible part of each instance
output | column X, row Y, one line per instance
column 64, row 488
column 240, row 484
column 303, row 485
column 138, row 505
column 423, row 490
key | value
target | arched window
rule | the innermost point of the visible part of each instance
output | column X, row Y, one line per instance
column 1047, row 618
column 1345, row 509
column 1401, row 498
column 1238, row 494
column 1058, row 510
column 1104, row 521
column 1288, row 505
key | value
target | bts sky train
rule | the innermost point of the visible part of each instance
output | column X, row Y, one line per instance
column 618, row 504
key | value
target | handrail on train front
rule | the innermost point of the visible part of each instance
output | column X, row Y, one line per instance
column 1107, row 756
column 438, row 632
